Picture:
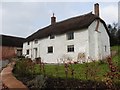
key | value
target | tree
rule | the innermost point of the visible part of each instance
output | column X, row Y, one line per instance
column 118, row 35
column 113, row 33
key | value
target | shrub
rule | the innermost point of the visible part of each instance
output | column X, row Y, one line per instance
column 38, row 82
column 91, row 70
column 112, row 75
column 24, row 68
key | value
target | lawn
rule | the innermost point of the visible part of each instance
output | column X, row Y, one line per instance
column 94, row 71
column 116, row 58
column 58, row 70
column 80, row 69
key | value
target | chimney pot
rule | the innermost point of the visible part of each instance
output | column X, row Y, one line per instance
column 96, row 9
column 53, row 19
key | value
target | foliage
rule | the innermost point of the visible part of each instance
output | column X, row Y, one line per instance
column 112, row 75
column 116, row 58
column 24, row 68
column 114, row 34
column 37, row 82
column 103, row 70
column 91, row 70
column 30, row 73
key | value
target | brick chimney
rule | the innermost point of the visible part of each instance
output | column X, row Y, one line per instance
column 53, row 19
column 96, row 9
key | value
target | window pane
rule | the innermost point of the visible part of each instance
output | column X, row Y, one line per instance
column 70, row 35
column 70, row 48
column 50, row 49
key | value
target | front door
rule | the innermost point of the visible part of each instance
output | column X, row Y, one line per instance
column 35, row 52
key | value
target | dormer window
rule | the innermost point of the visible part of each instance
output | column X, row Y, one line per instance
column 70, row 35
column 35, row 41
column 52, row 36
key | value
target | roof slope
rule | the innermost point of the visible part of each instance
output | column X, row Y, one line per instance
column 74, row 23
column 11, row 41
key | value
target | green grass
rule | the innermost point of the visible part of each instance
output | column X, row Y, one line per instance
column 116, row 48
column 79, row 69
column 116, row 58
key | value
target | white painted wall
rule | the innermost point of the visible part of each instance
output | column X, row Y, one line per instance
column 87, row 41
column 59, row 47
column 98, row 41
column 105, row 41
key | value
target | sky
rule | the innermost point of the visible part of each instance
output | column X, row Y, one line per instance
column 23, row 18
column 119, row 14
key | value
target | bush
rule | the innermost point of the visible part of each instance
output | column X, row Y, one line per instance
column 38, row 82
column 24, row 68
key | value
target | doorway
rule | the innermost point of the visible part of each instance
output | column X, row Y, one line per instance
column 35, row 52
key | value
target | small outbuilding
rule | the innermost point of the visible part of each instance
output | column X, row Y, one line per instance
column 10, row 46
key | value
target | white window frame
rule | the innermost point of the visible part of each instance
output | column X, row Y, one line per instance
column 50, row 51
column 70, row 35
column 70, row 48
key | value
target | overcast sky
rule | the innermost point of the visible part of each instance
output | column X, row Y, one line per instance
column 24, row 18
column 119, row 14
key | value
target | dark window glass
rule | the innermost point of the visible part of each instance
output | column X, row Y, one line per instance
column 70, row 35
column 70, row 48
column 50, row 49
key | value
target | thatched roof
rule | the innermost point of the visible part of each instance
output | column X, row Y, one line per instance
column 75, row 23
column 11, row 41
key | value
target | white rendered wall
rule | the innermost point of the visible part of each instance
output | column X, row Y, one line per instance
column 59, row 44
column 92, row 44
column 97, row 42
column 105, row 41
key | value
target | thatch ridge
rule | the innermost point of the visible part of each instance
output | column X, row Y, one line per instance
column 75, row 23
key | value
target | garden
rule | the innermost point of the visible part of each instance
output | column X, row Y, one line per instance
column 96, row 74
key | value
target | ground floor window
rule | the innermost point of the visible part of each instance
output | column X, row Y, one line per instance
column 50, row 49
column 70, row 48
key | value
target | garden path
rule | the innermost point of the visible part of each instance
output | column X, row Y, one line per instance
column 9, row 81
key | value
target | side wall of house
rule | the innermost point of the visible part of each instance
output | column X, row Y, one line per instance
column 99, row 45
column 59, row 44
column 105, row 42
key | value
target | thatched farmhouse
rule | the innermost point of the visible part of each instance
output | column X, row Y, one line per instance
column 10, row 46
column 79, row 39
